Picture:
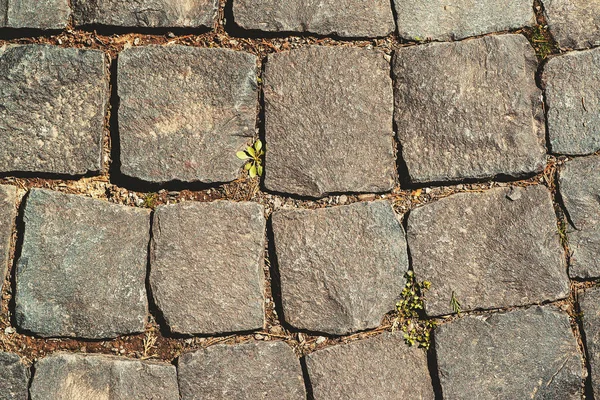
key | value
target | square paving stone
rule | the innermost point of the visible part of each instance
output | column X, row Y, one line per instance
column 52, row 108
column 457, row 19
column 97, row 377
column 14, row 378
column 579, row 186
column 82, row 268
column 212, row 253
column 495, row 249
column 589, row 302
column 34, row 14
column 328, row 121
column 341, row 268
column 381, row 367
column 573, row 100
column 255, row 370
column 469, row 110
column 523, row 354
column 146, row 13
column 8, row 211
column 345, row 18
column 574, row 24
column 184, row 112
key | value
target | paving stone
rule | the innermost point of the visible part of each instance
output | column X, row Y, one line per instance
column 254, row 370
column 82, row 268
column 345, row 18
column 52, row 109
column 8, row 211
column 575, row 24
column 34, row 14
column 14, row 378
column 341, row 268
column 572, row 101
column 213, row 254
column 521, row 354
column 458, row 19
column 146, row 13
column 469, row 110
column 589, row 302
column 64, row 376
column 381, row 367
column 579, row 186
column 185, row 112
column 494, row 249
column 328, row 116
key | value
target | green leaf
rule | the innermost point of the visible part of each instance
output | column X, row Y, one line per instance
column 253, row 171
column 250, row 151
column 242, row 155
column 248, row 166
column 259, row 169
column 258, row 145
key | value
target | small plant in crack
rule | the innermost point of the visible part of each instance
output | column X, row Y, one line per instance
column 455, row 304
column 253, row 155
column 150, row 200
column 542, row 41
column 562, row 233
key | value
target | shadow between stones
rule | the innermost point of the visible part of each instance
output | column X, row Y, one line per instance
column 20, row 229
column 434, row 372
column 27, row 33
column 588, row 389
column 306, row 377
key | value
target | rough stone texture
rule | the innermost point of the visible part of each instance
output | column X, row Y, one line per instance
column 146, row 13
column 381, row 367
column 69, row 376
column 255, row 370
column 589, row 302
column 469, row 109
column 346, row 18
column 52, row 105
column 523, row 354
column 574, row 23
column 8, row 211
column 494, row 249
column 341, row 268
column 34, row 14
column 580, row 191
column 328, row 116
column 573, row 100
column 457, row 19
column 14, row 378
column 185, row 112
column 207, row 266
column 82, row 268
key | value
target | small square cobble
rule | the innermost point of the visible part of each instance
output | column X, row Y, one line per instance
column 34, row 14
column 575, row 24
column 589, row 302
column 14, row 377
column 8, row 212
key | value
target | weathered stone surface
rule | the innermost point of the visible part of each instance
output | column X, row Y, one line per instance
column 590, row 307
column 523, row 354
column 68, row 376
column 146, row 13
column 185, row 112
column 207, row 266
column 574, row 23
column 328, row 116
column 341, row 268
column 255, row 370
column 573, row 100
column 346, row 18
column 469, row 109
column 458, row 19
column 381, row 367
column 52, row 105
column 494, row 249
column 579, row 186
column 8, row 211
column 82, row 268
column 14, row 378
column 34, row 14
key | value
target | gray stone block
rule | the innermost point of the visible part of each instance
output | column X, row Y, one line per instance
column 575, row 24
column 52, row 109
column 14, row 378
column 8, row 212
column 469, row 110
column 495, row 249
column 82, row 268
column 34, row 14
column 184, row 112
column 590, row 307
column 342, row 268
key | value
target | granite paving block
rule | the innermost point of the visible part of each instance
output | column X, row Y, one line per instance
column 575, row 24
column 8, row 212
column 34, row 14
column 589, row 302
column 14, row 377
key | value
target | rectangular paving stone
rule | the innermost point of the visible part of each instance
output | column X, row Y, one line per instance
column 64, row 376
column 207, row 266
column 8, row 212
column 589, row 302
column 574, row 24
column 523, row 354
column 328, row 122
column 82, row 268
column 146, row 13
column 579, row 186
column 52, row 108
column 184, row 112
column 457, row 19
column 341, row 268
column 14, row 378
column 469, row 110
column 381, row 367
column 572, row 101
column 345, row 18
column 254, row 370
column 495, row 249
column 34, row 14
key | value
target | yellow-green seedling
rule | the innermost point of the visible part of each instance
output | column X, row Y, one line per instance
column 253, row 155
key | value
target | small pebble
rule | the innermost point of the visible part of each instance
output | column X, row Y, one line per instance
column 321, row 339
column 343, row 199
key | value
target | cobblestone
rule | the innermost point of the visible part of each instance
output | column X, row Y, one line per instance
column 590, row 308
column 8, row 211
column 575, row 24
column 14, row 377
column 34, row 14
